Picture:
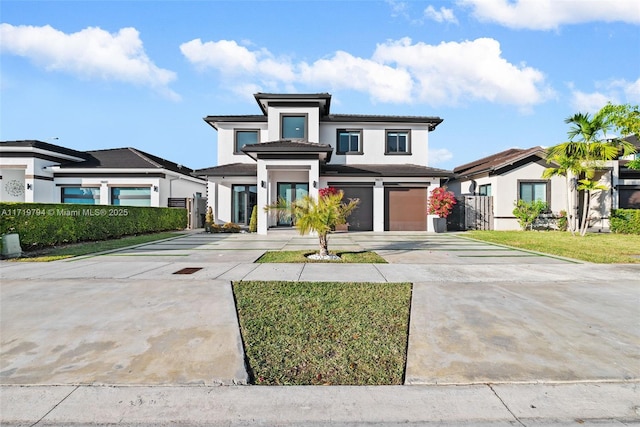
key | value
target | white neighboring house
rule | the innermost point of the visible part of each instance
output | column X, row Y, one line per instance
column 517, row 174
column 36, row 171
column 296, row 146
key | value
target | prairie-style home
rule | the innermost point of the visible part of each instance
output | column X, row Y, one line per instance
column 297, row 146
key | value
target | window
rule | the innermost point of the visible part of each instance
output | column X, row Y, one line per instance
column 81, row 195
column 533, row 190
column 349, row 141
column 131, row 196
column 245, row 137
column 294, row 127
column 484, row 190
column 398, row 142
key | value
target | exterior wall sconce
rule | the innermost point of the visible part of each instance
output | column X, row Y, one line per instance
column 155, row 188
column 29, row 187
column 263, row 184
column 315, row 184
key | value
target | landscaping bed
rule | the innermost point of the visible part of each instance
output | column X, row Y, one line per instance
column 358, row 257
column 323, row 333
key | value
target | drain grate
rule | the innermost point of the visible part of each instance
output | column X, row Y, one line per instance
column 188, row 270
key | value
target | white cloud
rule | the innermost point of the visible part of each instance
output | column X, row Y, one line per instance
column 614, row 91
column 453, row 73
column 398, row 72
column 89, row 53
column 443, row 15
column 439, row 155
column 551, row 14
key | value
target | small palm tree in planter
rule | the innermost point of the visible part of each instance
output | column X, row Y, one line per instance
column 441, row 204
column 320, row 216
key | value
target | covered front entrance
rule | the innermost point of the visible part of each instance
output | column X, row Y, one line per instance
column 244, row 198
column 290, row 192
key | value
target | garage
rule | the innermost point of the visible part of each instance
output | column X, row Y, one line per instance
column 405, row 209
column 362, row 217
column 629, row 197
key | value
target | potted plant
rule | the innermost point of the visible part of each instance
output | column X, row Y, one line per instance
column 440, row 205
column 208, row 220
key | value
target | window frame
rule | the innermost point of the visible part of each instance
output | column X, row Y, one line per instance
column 237, row 150
column 386, row 142
column 112, row 190
column 485, row 187
column 536, row 181
column 305, row 116
column 350, row 131
column 94, row 197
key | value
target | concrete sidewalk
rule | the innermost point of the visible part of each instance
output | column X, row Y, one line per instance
column 510, row 338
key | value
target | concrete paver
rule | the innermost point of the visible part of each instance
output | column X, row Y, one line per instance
column 157, row 341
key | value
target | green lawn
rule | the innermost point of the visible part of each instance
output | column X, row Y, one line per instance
column 360, row 257
column 604, row 248
column 302, row 333
column 86, row 248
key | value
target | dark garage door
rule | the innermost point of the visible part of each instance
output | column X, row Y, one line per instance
column 362, row 217
column 405, row 209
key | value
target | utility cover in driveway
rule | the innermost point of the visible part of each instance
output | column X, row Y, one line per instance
column 188, row 270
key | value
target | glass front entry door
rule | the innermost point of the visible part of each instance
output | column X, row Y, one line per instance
column 245, row 197
column 290, row 191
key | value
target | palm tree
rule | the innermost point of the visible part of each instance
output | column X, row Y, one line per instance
column 320, row 216
column 586, row 154
column 565, row 166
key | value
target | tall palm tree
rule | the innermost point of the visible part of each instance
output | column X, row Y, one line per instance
column 585, row 152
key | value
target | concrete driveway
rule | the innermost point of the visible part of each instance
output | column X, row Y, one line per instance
column 480, row 313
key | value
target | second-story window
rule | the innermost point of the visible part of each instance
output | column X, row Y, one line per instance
column 398, row 142
column 349, row 141
column 294, row 127
column 245, row 137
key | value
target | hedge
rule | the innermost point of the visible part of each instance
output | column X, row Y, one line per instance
column 48, row 224
column 625, row 221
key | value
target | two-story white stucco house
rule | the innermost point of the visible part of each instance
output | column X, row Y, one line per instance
column 297, row 146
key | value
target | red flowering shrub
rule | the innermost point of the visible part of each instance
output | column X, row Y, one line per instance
column 441, row 202
column 323, row 192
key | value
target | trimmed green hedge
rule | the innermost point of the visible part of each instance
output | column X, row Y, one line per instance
column 625, row 221
column 48, row 224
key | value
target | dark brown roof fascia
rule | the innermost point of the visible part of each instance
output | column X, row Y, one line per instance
column 212, row 120
column 432, row 122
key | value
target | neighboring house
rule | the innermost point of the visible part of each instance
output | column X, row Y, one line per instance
column 296, row 146
column 517, row 174
column 509, row 176
column 36, row 171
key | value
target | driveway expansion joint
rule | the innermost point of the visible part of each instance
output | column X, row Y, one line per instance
column 505, row 405
column 55, row 406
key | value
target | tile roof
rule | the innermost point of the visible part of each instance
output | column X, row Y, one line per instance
column 287, row 146
column 32, row 143
column 387, row 170
column 497, row 161
column 231, row 169
column 126, row 158
column 432, row 121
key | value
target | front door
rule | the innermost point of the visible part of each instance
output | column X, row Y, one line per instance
column 245, row 197
column 290, row 192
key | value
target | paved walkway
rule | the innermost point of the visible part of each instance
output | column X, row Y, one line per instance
column 497, row 336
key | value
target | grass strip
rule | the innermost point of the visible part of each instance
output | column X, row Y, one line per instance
column 315, row 333
column 353, row 257
column 87, row 248
column 601, row 248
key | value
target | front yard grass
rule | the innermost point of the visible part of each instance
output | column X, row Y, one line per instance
column 87, row 248
column 603, row 248
column 360, row 257
column 313, row 333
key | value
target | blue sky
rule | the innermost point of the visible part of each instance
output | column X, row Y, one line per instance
column 501, row 73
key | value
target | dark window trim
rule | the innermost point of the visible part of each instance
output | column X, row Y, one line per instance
column 360, row 141
column 485, row 186
column 235, row 138
column 396, row 153
column 306, row 125
column 95, row 197
column 536, row 181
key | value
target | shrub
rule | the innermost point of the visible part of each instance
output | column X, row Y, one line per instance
column 253, row 222
column 528, row 212
column 562, row 221
column 48, row 224
column 230, row 227
column 441, row 202
column 625, row 221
